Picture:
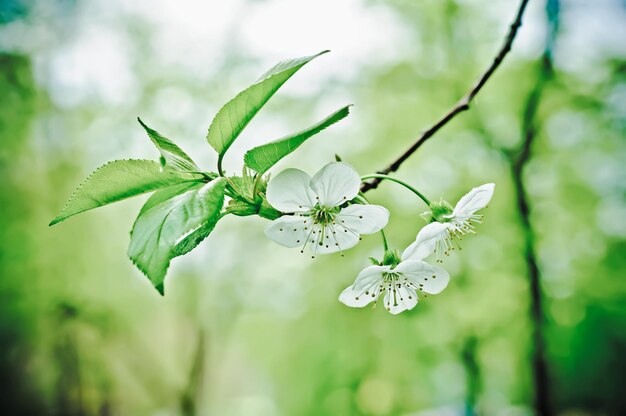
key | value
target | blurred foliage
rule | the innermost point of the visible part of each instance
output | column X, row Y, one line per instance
column 251, row 328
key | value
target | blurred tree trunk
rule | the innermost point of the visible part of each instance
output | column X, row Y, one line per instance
column 518, row 161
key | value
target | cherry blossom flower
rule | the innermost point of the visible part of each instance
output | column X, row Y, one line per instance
column 447, row 223
column 402, row 280
column 321, row 214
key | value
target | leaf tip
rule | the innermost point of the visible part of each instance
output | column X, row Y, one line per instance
column 160, row 288
column 142, row 124
column 145, row 272
column 324, row 52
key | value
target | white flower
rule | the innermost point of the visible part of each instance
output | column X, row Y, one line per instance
column 318, row 219
column 448, row 225
column 401, row 283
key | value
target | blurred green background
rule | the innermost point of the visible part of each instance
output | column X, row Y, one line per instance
column 251, row 328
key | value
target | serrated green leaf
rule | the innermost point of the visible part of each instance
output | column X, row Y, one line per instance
column 164, row 194
column 159, row 229
column 192, row 240
column 237, row 113
column 116, row 181
column 262, row 158
column 171, row 155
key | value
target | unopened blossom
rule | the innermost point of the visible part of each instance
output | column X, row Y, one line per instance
column 318, row 211
column 401, row 280
column 448, row 224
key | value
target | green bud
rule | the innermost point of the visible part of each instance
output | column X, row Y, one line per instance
column 242, row 187
column 427, row 216
column 438, row 211
column 241, row 208
column 391, row 258
column 261, row 188
column 267, row 211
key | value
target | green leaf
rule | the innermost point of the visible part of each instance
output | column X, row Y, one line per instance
column 196, row 237
column 164, row 194
column 262, row 158
column 192, row 240
column 241, row 187
column 157, row 231
column 171, row 155
column 116, row 181
column 237, row 113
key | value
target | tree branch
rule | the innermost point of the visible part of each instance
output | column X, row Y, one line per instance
column 462, row 105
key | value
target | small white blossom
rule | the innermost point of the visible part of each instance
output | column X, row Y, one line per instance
column 449, row 225
column 401, row 283
column 320, row 217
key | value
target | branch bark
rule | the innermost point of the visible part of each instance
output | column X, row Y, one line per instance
column 462, row 105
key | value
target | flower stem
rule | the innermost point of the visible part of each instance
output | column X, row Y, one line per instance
column 220, row 171
column 382, row 232
column 362, row 199
column 398, row 181
column 385, row 245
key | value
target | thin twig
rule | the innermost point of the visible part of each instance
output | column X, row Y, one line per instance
column 462, row 105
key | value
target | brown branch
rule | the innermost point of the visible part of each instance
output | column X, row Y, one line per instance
column 462, row 105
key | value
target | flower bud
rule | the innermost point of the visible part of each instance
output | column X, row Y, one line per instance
column 391, row 258
column 241, row 208
column 267, row 211
column 438, row 211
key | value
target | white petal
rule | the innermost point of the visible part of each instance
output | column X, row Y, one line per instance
column 430, row 279
column 290, row 191
column 474, row 200
column 363, row 219
column 366, row 288
column 425, row 242
column 369, row 276
column 354, row 299
column 335, row 184
column 335, row 239
column 399, row 298
column 288, row 230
